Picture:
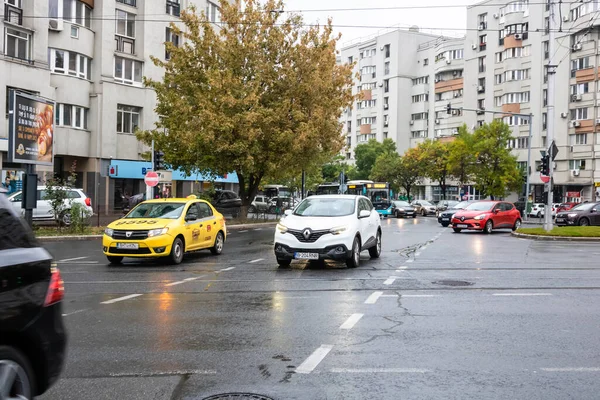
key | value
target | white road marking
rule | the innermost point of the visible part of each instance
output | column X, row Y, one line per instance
column 403, row 267
column 131, row 296
column 105, row 282
column 389, row 280
column 417, row 254
column 314, row 359
column 162, row 373
column 372, row 299
column 73, row 259
column 226, row 269
column 74, row 312
column 255, row 261
column 184, row 281
column 423, row 248
column 351, row 321
column 258, row 229
column 409, row 261
column 78, row 262
column 571, row 369
column 420, row 295
column 522, row 294
column 244, row 231
column 379, row 370
column 299, row 297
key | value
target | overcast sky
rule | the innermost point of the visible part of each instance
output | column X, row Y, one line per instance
column 430, row 17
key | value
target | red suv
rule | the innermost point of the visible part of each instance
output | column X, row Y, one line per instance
column 487, row 215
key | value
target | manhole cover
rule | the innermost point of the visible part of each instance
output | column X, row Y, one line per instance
column 453, row 283
column 238, row 396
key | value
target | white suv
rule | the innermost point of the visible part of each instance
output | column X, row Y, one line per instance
column 43, row 211
column 334, row 227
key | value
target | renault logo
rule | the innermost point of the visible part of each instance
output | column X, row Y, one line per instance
column 306, row 233
column 462, row 219
column 128, row 233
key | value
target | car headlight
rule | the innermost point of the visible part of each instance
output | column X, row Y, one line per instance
column 479, row 217
column 109, row 232
column 338, row 230
column 282, row 228
column 157, row 232
column 573, row 215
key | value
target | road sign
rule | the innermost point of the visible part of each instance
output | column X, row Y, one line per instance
column 554, row 150
column 545, row 178
column 151, row 178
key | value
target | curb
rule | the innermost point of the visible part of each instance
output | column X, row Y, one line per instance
column 556, row 238
column 94, row 237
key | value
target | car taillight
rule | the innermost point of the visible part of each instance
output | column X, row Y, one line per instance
column 88, row 202
column 56, row 290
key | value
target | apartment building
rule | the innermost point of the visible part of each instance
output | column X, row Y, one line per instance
column 90, row 57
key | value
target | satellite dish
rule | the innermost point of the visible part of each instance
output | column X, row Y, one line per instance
column 413, row 28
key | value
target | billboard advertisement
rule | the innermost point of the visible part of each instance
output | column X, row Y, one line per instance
column 32, row 134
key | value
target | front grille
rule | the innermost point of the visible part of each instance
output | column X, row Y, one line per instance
column 313, row 237
column 141, row 250
column 135, row 235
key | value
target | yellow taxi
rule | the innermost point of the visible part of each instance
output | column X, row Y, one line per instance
column 165, row 228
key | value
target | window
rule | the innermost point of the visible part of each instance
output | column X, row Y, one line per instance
column 518, row 143
column 172, row 38
column 420, row 81
column 212, row 12
column 173, row 8
column 73, row 11
column 128, row 118
column 426, row 61
column 456, row 54
column 349, row 126
column 386, row 86
column 386, row 120
column 481, row 62
column 386, row 68
column 546, row 25
column 71, row 116
column 420, row 98
column 580, row 138
column 366, row 104
column 580, row 88
column 418, row 134
column 13, row 12
column 481, row 85
column 125, row 24
column 386, row 51
column 367, row 121
column 386, row 103
column 419, row 116
column 481, row 104
column 579, row 114
column 17, row 44
column 545, row 46
column 544, row 121
column 204, row 210
column 580, row 63
column 482, row 21
column 499, row 57
column 69, row 63
column 545, row 97
column 128, row 2
column 74, row 32
column 576, row 164
column 367, row 86
column 512, row 98
column 128, row 71
column 482, row 42
column 350, row 60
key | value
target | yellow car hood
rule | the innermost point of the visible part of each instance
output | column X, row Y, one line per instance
column 139, row 223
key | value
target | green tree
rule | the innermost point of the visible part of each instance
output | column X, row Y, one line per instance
column 57, row 194
column 435, row 156
column 496, row 168
column 401, row 172
column 260, row 96
column 386, row 169
column 461, row 156
column 366, row 154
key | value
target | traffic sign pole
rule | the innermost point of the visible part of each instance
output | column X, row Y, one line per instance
column 150, row 189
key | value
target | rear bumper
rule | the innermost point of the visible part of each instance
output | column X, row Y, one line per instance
column 333, row 252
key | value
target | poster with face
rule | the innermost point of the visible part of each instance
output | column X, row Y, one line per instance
column 12, row 181
column 32, row 139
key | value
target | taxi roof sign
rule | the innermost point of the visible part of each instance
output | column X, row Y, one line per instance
column 192, row 196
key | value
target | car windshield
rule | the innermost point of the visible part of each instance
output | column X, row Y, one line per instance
column 461, row 205
column 425, row 203
column 157, row 210
column 483, row 206
column 315, row 207
column 452, row 203
column 401, row 204
column 583, row 207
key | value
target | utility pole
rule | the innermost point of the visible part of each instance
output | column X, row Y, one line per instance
column 529, row 169
column 550, row 120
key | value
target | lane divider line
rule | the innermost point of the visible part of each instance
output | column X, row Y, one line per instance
column 244, row 231
column 314, row 359
column 522, row 294
column 372, row 299
column 131, row 296
column 255, row 261
column 73, row 259
column 74, row 312
column 571, row 369
column 378, row 370
column 226, row 269
column 409, row 261
column 420, row 295
column 351, row 321
column 389, row 280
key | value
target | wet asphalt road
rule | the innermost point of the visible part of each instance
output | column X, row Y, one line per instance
column 438, row 316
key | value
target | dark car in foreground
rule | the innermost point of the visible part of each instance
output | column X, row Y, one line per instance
column 445, row 217
column 486, row 216
column 403, row 209
column 32, row 335
column 584, row 214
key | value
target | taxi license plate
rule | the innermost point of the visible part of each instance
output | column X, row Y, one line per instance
column 129, row 246
column 462, row 226
column 560, row 220
column 306, row 256
column 445, row 219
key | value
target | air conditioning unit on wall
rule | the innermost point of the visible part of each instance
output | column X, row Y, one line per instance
column 56, row 25
column 575, row 172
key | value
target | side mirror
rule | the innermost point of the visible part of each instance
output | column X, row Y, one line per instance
column 364, row 214
column 190, row 218
column 287, row 212
column 496, row 210
column 593, row 210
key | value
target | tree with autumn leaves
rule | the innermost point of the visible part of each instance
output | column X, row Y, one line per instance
column 261, row 95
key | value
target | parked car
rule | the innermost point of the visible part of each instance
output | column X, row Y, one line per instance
column 555, row 207
column 260, row 204
column 566, row 206
column 335, row 227
column 403, row 209
column 445, row 217
column 536, row 210
column 584, row 214
column 443, row 205
column 424, row 207
column 32, row 334
column 227, row 202
column 486, row 216
column 43, row 211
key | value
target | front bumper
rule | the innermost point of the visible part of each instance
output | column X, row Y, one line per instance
column 386, row 212
column 564, row 221
column 403, row 213
column 333, row 252
column 444, row 219
column 158, row 246
column 470, row 224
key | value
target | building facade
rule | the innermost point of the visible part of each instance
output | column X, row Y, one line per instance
column 90, row 57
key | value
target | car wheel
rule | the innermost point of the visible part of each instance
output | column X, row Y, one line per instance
column 252, row 209
column 584, row 222
column 16, row 375
column 375, row 251
column 445, row 225
column 517, row 224
column 218, row 246
column 397, row 214
column 272, row 210
column 489, row 225
column 423, row 212
column 539, row 214
column 114, row 259
column 456, row 230
column 65, row 218
column 177, row 250
column 283, row 263
column 354, row 260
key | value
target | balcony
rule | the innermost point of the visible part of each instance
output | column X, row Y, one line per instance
column 13, row 15
column 446, row 86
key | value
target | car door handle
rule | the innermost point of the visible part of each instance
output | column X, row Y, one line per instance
column 200, row 226
column 214, row 223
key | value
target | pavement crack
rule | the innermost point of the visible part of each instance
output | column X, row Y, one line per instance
column 372, row 338
column 264, row 370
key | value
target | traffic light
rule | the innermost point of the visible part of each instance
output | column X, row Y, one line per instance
column 545, row 167
column 449, row 109
column 159, row 160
